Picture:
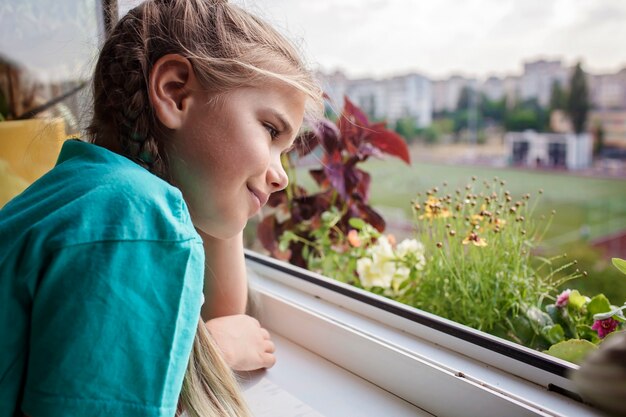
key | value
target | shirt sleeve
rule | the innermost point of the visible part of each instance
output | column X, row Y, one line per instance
column 112, row 327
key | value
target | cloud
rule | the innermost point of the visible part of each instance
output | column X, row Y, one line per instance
column 381, row 37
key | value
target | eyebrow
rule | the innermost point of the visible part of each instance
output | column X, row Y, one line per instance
column 286, row 127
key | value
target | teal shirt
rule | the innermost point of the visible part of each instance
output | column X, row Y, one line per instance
column 101, row 275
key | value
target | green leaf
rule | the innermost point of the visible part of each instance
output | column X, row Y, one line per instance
column 357, row 223
column 538, row 319
column 586, row 332
column 573, row 350
column 554, row 312
column 522, row 329
column 576, row 300
column 553, row 334
column 599, row 304
column 285, row 240
column 619, row 264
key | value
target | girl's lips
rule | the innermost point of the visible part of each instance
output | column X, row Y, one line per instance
column 260, row 196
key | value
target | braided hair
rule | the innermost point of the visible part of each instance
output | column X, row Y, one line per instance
column 226, row 46
column 123, row 117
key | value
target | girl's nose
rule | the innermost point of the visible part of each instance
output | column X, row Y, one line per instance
column 276, row 175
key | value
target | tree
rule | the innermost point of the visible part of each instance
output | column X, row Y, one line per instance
column 599, row 139
column 407, row 128
column 558, row 97
column 520, row 119
column 493, row 110
column 578, row 100
column 465, row 99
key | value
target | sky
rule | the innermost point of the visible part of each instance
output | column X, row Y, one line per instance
column 439, row 38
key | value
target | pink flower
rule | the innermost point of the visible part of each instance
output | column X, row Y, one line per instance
column 563, row 298
column 604, row 327
column 353, row 238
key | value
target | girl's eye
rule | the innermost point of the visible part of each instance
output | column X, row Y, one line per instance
column 272, row 130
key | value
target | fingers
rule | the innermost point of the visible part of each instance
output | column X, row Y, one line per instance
column 268, row 360
column 269, row 346
column 265, row 333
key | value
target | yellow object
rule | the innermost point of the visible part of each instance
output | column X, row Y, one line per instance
column 31, row 147
column 10, row 184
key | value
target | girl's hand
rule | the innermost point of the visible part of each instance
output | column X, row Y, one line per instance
column 245, row 345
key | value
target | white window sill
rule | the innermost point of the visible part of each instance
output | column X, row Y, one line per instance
column 339, row 356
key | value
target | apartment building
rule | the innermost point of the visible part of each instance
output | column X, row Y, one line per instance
column 390, row 99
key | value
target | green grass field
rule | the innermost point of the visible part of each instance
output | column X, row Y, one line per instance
column 598, row 203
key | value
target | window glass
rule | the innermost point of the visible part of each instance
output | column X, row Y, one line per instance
column 485, row 105
column 47, row 54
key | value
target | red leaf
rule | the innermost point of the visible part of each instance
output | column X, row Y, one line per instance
column 266, row 232
column 363, row 185
column 390, row 143
column 372, row 217
column 277, row 198
column 353, row 113
column 319, row 176
column 306, row 143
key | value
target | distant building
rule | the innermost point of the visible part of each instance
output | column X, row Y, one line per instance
column 560, row 122
column 446, row 92
column 493, row 88
column 538, row 78
column 389, row 99
column 335, row 86
column 608, row 91
column 613, row 124
column 409, row 96
column 549, row 150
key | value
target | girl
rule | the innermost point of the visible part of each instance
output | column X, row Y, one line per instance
column 102, row 260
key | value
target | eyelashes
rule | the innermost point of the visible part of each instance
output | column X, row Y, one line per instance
column 274, row 133
column 272, row 130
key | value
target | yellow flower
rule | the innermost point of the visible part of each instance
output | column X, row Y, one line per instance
column 477, row 218
column 433, row 209
column 475, row 240
column 497, row 223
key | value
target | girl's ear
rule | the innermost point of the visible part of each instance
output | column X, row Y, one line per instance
column 171, row 86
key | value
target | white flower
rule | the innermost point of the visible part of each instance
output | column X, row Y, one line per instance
column 401, row 274
column 409, row 246
column 382, row 251
column 375, row 274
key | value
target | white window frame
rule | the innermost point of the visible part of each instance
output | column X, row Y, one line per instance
column 435, row 364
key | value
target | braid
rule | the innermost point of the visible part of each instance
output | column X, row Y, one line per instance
column 120, row 96
column 227, row 48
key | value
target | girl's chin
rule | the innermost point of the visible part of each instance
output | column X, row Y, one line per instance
column 224, row 230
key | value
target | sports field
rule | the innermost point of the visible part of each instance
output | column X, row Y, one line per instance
column 584, row 205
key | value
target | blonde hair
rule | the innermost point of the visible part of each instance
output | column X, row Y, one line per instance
column 209, row 386
column 228, row 48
